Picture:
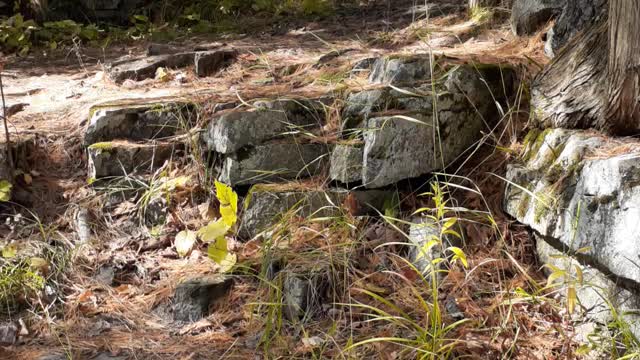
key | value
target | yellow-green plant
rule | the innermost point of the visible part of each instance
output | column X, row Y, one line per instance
column 429, row 337
column 215, row 232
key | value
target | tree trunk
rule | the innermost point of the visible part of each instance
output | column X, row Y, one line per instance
column 595, row 81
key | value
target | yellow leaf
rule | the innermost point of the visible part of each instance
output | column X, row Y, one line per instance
column 39, row 263
column 28, row 179
column 5, row 190
column 555, row 276
column 579, row 275
column 375, row 288
column 9, row 251
column 572, row 297
column 162, row 75
column 219, row 253
column 228, row 203
column 449, row 223
column 173, row 184
column 212, row 231
column 459, row 255
column 184, row 242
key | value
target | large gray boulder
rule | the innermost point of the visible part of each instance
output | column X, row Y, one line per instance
column 575, row 189
column 431, row 130
column 274, row 162
column 529, row 16
column 234, row 130
column 131, row 121
column 398, row 148
column 479, row 84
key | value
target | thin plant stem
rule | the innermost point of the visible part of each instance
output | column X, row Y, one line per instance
column 6, row 127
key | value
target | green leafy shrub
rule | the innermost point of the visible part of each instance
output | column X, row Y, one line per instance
column 20, row 35
column 16, row 34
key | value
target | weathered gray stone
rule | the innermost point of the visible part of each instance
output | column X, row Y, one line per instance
column 108, row 159
column 106, row 274
column 137, row 122
column 265, row 205
column 397, row 148
column 192, row 298
column 595, row 293
column 410, row 145
column 480, row 85
column 346, row 163
column 582, row 201
column 209, row 62
column 421, row 232
column 577, row 16
column 234, row 130
column 296, row 293
column 145, row 68
column 529, row 16
column 401, row 69
column 274, row 162
column 9, row 334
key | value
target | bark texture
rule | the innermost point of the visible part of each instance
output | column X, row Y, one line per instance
column 577, row 16
column 594, row 81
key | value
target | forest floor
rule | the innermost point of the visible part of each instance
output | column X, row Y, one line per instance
column 79, row 317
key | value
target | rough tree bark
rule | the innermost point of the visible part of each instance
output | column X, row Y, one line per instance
column 595, row 80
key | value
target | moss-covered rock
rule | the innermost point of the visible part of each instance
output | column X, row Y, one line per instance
column 580, row 195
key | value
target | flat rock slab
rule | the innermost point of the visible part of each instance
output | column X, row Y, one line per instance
column 266, row 205
column 208, row 63
column 574, row 187
column 193, row 298
column 274, row 162
column 265, row 120
column 145, row 68
column 138, row 122
column 110, row 159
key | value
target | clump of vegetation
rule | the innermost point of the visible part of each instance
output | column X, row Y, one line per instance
column 18, row 280
column 20, row 35
column 160, row 21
